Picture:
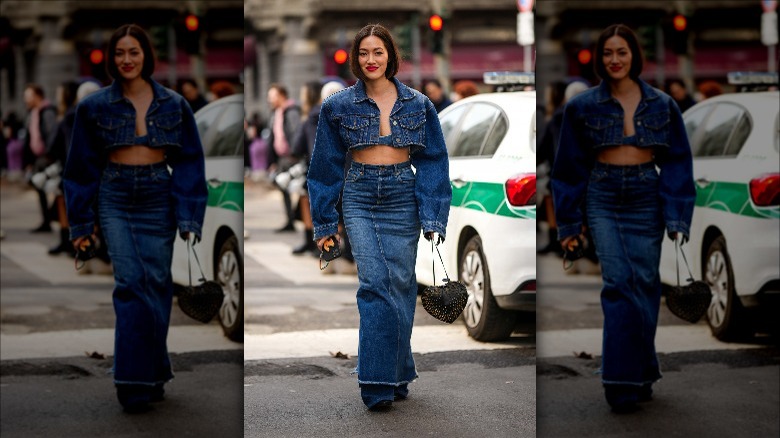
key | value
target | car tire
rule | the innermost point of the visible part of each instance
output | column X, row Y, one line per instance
column 484, row 320
column 724, row 313
column 229, row 273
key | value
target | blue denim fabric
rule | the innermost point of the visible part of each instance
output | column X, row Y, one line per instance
column 139, row 228
column 349, row 120
column 381, row 219
column 624, row 214
column 105, row 120
column 593, row 120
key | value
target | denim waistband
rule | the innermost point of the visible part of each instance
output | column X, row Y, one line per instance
column 624, row 168
column 136, row 167
column 381, row 168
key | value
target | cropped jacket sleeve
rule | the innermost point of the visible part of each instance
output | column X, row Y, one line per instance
column 432, row 179
column 81, row 177
column 676, row 186
column 325, row 177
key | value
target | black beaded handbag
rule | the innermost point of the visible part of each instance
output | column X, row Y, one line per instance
column 446, row 302
column 201, row 302
column 688, row 302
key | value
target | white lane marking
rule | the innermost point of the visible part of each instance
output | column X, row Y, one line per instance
column 68, row 343
column 668, row 339
column 315, row 343
column 58, row 270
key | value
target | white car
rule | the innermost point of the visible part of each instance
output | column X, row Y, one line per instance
column 735, row 231
column 221, row 252
column 491, row 237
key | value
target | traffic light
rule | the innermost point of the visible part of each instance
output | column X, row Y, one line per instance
column 584, row 56
column 340, row 56
column 160, row 40
column 96, row 56
column 649, row 41
column 436, row 24
column 680, row 34
column 192, row 34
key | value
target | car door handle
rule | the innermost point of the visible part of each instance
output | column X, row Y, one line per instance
column 702, row 182
column 458, row 183
column 215, row 182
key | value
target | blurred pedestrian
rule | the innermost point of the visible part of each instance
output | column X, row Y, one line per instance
column 14, row 147
column 462, row 89
column 605, row 176
column 285, row 120
column 435, row 93
column 709, row 89
column 676, row 89
column 189, row 89
column 385, row 204
column 125, row 138
column 258, row 152
column 41, row 128
column 222, row 89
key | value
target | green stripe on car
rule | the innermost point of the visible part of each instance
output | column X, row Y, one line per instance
column 488, row 198
column 732, row 198
column 227, row 195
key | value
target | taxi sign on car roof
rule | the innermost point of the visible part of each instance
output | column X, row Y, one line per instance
column 508, row 80
column 753, row 81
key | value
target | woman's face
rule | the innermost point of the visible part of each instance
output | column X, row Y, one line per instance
column 129, row 58
column 372, row 57
column 617, row 58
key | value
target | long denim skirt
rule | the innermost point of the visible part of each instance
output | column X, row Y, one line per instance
column 383, row 225
column 626, row 223
column 137, row 219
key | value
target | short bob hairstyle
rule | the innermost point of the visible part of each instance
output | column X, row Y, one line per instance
column 141, row 36
column 393, row 57
column 623, row 31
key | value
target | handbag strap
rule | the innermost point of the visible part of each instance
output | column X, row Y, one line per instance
column 678, row 250
column 191, row 248
column 433, row 264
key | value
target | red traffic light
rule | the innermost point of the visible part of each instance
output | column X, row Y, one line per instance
column 584, row 56
column 435, row 22
column 680, row 22
column 191, row 22
column 340, row 56
column 96, row 56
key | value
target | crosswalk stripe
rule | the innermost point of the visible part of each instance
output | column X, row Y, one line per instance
column 32, row 257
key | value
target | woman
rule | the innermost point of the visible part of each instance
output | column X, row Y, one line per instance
column 387, row 127
column 613, row 137
column 125, row 137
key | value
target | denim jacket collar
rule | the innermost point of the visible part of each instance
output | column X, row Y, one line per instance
column 603, row 93
column 159, row 92
column 404, row 93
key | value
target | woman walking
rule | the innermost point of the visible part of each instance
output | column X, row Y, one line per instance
column 388, row 128
column 125, row 139
column 613, row 139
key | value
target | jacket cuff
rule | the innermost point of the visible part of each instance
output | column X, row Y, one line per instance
column 565, row 231
column 325, row 230
column 434, row 226
column 77, row 231
column 190, row 227
column 677, row 227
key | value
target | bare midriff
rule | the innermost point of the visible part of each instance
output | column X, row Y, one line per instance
column 382, row 155
column 137, row 155
column 625, row 155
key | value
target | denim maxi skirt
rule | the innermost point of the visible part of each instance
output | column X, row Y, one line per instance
column 383, row 225
column 137, row 219
column 626, row 223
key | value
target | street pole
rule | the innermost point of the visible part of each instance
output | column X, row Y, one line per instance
column 172, row 56
column 416, row 54
column 441, row 60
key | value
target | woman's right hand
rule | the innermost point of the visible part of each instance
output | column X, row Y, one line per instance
column 322, row 241
column 81, row 243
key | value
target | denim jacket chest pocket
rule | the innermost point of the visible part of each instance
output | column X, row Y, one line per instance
column 165, row 129
column 412, row 128
column 113, row 128
column 354, row 129
column 601, row 129
column 653, row 129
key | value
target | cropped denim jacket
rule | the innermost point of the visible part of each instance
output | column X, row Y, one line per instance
column 349, row 120
column 105, row 120
column 592, row 121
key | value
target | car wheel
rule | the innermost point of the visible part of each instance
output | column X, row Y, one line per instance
column 724, row 311
column 229, row 271
column 484, row 320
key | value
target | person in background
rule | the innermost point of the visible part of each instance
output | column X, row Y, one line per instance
column 709, row 89
column 435, row 93
column 221, row 89
column 41, row 128
column 14, row 147
column 624, row 171
column 189, row 89
column 285, row 120
column 676, row 89
column 463, row 89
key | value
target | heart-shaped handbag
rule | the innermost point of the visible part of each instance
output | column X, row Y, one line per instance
column 445, row 302
column 201, row 302
column 688, row 302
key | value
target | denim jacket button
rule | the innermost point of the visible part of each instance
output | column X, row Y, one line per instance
column 395, row 123
column 398, row 139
